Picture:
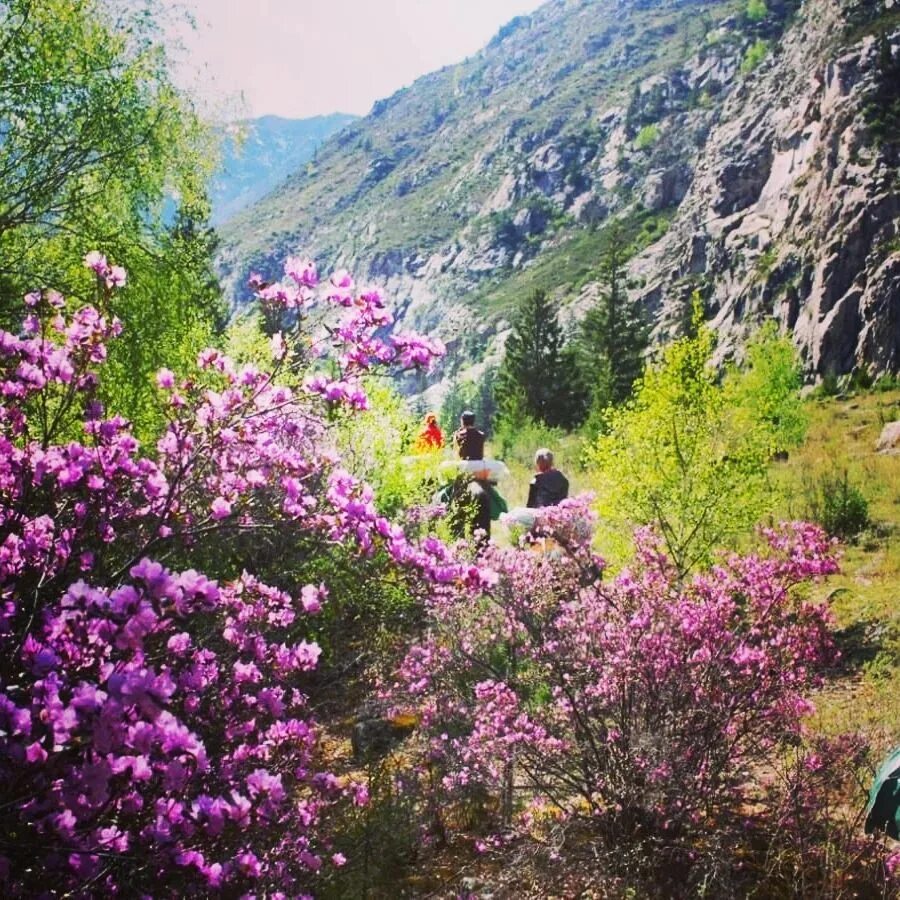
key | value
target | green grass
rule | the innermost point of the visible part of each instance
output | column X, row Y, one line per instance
column 865, row 597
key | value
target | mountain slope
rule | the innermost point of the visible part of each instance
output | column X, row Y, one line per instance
column 794, row 208
column 270, row 148
column 687, row 121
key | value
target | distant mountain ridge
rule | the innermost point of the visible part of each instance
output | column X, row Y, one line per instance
column 270, row 149
column 752, row 159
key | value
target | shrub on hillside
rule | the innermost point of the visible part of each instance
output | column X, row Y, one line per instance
column 754, row 56
column 844, row 510
column 647, row 137
column 756, row 10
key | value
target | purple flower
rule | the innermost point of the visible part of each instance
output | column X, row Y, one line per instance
column 303, row 271
column 220, row 508
column 96, row 261
column 311, row 598
column 35, row 753
column 116, row 277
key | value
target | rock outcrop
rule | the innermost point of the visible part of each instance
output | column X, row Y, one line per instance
column 889, row 439
column 794, row 210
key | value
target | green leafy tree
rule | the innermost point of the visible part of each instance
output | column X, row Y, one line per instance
column 477, row 396
column 766, row 392
column 99, row 150
column 757, row 10
column 539, row 377
column 613, row 335
column 689, row 455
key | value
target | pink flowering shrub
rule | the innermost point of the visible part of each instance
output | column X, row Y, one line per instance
column 813, row 800
column 155, row 731
column 639, row 703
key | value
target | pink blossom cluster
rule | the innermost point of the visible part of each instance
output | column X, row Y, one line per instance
column 112, row 276
column 816, row 836
column 353, row 325
column 154, row 721
column 135, row 730
column 637, row 699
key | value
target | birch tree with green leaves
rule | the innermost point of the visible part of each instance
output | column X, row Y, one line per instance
column 99, row 150
column 689, row 454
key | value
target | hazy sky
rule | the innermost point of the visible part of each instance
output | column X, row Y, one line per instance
column 305, row 57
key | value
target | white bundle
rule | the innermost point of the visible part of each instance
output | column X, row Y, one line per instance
column 482, row 469
column 521, row 516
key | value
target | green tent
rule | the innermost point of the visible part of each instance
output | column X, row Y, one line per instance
column 883, row 810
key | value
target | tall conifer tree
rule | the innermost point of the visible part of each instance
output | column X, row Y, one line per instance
column 614, row 333
column 539, row 376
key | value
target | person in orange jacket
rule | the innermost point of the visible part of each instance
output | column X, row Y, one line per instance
column 430, row 437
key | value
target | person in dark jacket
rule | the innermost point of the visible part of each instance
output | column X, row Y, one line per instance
column 549, row 486
column 473, row 497
column 469, row 440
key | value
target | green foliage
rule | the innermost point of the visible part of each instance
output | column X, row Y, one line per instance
column 477, row 396
column 765, row 263
column 517, row 440
column 830, row 385
column 886, row 383
column 377, row 446
column 689, row 455
column 756, row 10
column 842, row 510
column 103, row 141
column 539, row 377
column 245, row 342
column 613, row 335
column 755, row 54
column 647, row 137
column 572, row 262
column 172, row 308
column 767, row 391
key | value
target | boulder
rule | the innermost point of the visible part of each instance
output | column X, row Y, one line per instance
column 889, row 440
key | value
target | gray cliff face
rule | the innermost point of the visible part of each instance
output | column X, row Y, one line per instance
column 764, row 189
column 793, row 211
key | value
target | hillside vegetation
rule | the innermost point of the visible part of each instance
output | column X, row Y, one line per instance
column 259, row 154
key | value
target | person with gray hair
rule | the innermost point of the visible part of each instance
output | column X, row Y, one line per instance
column 549, row 486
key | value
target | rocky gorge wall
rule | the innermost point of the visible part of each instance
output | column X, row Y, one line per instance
column 793, row 210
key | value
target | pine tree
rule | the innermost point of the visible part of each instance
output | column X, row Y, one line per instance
column 614, row 333
column 538, row 378
column 477, row 396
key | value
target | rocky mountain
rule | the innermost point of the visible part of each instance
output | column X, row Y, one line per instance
column 259, row 154
column 747, row 148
